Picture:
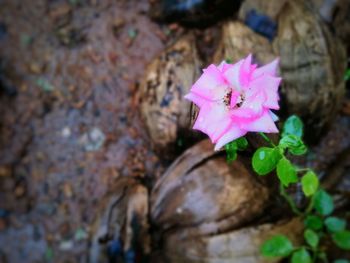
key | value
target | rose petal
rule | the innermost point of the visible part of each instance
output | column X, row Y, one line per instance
column 274, row 116
column 214, row 120
column 252, row 105
column 198, row 100
column 269, row 85
column 243, row 113
column 264, row 123
column 247, row 63
column 231, row 134
column 224, row 66
column 232, row 75
column 246, row 70
column 234, row 97
column 271, row 93
column 268, row 69
column 211, row 85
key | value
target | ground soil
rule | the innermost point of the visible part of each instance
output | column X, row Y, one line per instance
column 69, row 126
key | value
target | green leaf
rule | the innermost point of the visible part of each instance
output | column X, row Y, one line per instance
column 311, row 237
column 231, row 151
column 347, row 75
column 298, row 151
column 265, row 160
column 293, row 125
column 335, row 224
column 310, row 183
column 293, row 143
column 286, row 172
column 342, row 239
column 313, row 222
column 242, row 143
column 301, row 256
column 277, row 246
column 232, row 148
column 231, row 156
column 323, row 203
column 323, row 256
column 341, row 261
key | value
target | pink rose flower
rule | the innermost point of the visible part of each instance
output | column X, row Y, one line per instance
column 235, row 99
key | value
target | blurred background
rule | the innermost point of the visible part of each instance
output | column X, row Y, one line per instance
column 92, row 111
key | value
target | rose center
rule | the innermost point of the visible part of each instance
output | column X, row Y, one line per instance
column 233, row 99
column 227, row 98
column 240, row 100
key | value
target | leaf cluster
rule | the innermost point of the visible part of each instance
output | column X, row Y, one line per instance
column 318, row 219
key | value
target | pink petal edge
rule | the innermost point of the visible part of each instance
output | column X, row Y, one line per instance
column 232, row 134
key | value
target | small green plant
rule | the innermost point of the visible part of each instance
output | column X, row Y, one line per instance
column 347, row 74
column 317, row 216
column 237, row 145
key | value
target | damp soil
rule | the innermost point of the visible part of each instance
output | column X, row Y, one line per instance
column 69, row 125
column 69, row 122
